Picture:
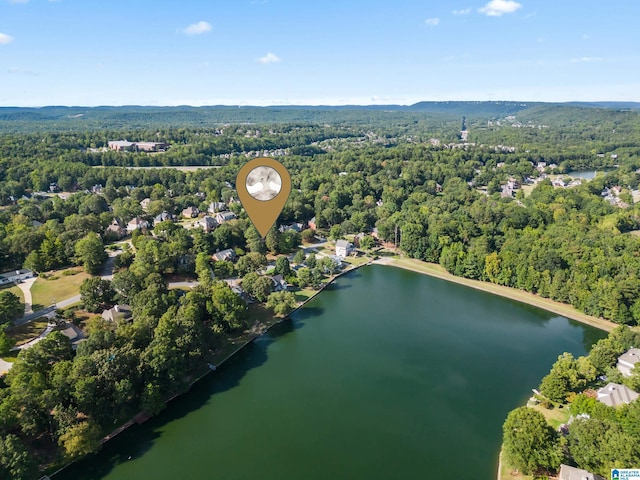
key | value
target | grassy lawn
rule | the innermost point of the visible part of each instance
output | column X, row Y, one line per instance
column 56, row 288
column 12, row 357
column 304, row 294
column 513, row 293
column 13, row 289
column 259, row 312
column 29, row 331
column 555, row 416
column 357, row 261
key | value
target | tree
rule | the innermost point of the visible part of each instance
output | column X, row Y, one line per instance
column 229, row 310
column 367, row 242
column 10, row 307
column 272, row 241
column 90, row 252
column 223, row 269
column 6, row 343
column 335, row 233
column 126, row 285
column 80, row 439
column 96, row 294
column 282, row 267
column 304, row 277
column 281, row 302
column 311, row 261
column 257, row 286
column 308, row 235
column 16, row 462
column 299, row 257
column 529, row 443
column 251, row 262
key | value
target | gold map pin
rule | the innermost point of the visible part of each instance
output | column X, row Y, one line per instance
column 263, row 185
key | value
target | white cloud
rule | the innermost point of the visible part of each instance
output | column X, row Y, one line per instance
column 269, row 58
column 198, row 28
column 497, row 8
column 585, row 59
column 462, row 11
column 4, row 38
column 432, row 22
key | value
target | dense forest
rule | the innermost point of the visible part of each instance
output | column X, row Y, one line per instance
column 403, row 172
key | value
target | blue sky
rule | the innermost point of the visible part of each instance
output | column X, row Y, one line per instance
column 274, row 52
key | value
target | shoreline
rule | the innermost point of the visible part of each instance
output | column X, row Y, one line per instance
column 563, row 309
column 199, row 376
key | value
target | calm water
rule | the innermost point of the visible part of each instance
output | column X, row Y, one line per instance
column 387, row 374
column 589, row 174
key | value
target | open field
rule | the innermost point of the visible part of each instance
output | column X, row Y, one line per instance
column 513, row 293
column 58, row 287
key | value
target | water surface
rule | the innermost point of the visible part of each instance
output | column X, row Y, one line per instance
column 386, row 374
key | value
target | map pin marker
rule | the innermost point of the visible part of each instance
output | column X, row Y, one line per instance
column 263, row 185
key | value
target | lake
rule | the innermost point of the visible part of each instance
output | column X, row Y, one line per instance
column 386, row 374
column 589, row 174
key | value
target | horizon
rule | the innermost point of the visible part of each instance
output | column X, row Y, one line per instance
column 221, row 105
column 282, row 53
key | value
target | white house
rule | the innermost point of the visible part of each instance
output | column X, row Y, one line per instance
column 137, row 224
column 343, row 248
column 145, row 204
column 15, row 276
column 627, row 361
column 222, row 217
column 229, row 254
column 215, row 207
column 614, row 394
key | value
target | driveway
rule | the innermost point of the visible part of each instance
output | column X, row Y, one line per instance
column 25, row 287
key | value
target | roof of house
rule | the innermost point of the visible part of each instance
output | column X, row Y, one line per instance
column 573, row 473
column 342, row 244
column 630, row 357
column 137, row 221
column 279, row 278
column 614, row 394
column 227, row 254
column 118, row 312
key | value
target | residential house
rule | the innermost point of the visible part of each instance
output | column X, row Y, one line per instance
column 229, row 254
column 163, row 217
column 118, row 312
column 215, row 207
column 312, row 224
column 137, row 224
column 343, row 248
column 222, row 217
column 36, row 224
column 190, row 212
column 115, row 230
column 16, row 276
column 296, row 227
column 279, row 283
column 614, row 394
column 627, row 361
column 145, row 204
column 208, row 224
column 573, row 473
column 73, row 333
